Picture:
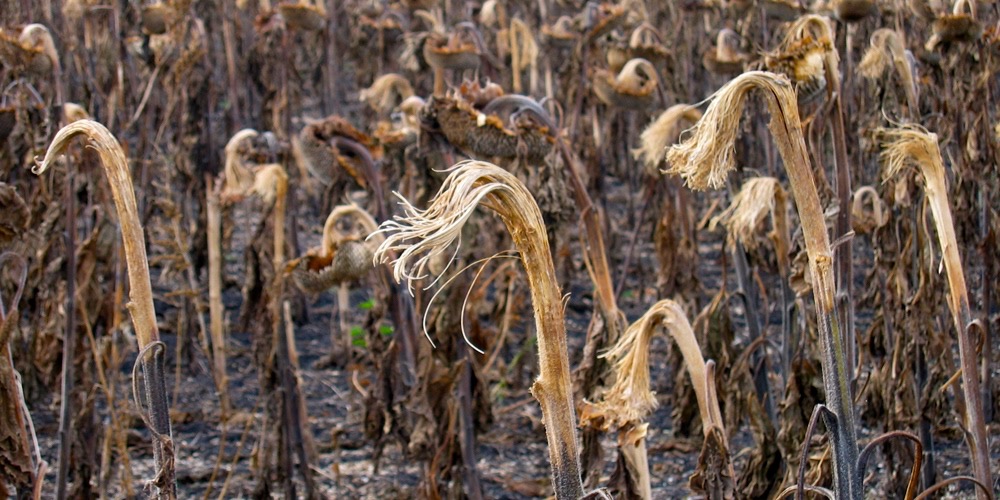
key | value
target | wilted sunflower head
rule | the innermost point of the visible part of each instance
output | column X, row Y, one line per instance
column 758, row 198
column 386, row 92
column 706, row 157
column 663, row 133
column 239, row 177
column 909, row 145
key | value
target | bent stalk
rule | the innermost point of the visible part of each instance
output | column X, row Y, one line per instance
column 705, row 160
column 913, row 145
column 140, row 303
column 420, row 235
column 629, row 401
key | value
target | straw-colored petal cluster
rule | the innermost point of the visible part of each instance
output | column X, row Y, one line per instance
column 663, row 133
column 705, row 159
column 759, row 197
column 630, row 399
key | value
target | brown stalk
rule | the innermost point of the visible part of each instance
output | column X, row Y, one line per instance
column 69, row 337
column 629, row 401
column 523, row 55
column 819, row 28
column 236, row 181
column 17, row 464
column 606, row 326
column 889, row 47
column 117, row 431
column 213, row 214
column 707, row 157
column 418, row 236
column 140, row 303
column 271, row 185
column 913, row 145
column 596, row 256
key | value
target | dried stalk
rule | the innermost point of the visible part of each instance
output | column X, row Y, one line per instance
column 117, row 431
column 889, row 47
column 216, row 310
column 523, row 55
column 236, row 181
column 629, row 401
column 595, row 254
column 757, row 198
column 913, row 145
column 819, row 27
column 18, row 464
column 271, row 185
column 140, row 303
column 707, row 157
column 69, row 337
column 421, row 235
column 609, row 322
